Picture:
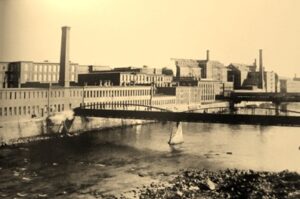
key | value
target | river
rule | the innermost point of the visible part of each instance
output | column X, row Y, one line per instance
column 119, row 160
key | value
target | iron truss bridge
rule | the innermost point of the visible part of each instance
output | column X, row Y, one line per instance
column 130, row 111
column 271, row 97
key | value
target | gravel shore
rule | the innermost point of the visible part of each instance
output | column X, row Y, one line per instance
column 230, row 183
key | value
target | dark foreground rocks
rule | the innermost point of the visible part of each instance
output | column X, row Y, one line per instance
column 227, row 184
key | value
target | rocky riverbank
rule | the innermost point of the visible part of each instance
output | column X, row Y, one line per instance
column 226, row 184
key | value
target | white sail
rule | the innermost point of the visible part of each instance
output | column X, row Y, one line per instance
column 176, row 134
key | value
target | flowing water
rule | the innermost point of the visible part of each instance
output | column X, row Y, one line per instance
column 118, row 160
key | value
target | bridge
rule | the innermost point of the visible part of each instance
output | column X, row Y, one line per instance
column 160, row 114
column 263, row 97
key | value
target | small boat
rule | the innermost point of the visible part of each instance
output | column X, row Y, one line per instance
column 176, row 136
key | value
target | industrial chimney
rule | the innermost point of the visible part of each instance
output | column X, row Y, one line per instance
column 261, row 70
column 207, row 55
column 64, row 73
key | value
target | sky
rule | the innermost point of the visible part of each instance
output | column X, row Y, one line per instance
column 150, row 32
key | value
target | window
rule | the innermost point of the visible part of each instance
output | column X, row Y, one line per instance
column 25, row 67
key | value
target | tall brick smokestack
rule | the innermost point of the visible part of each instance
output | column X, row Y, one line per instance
column 207, row 55
column 261, row 70
column 64, row 73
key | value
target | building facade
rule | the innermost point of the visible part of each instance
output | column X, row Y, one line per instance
column 238, row 73
column 124, row 79
column 201, row 69
column 271, row 81
column 214, row 70
column 203, row 92
column 187, row 68
column 289, row 86
column 3, row 74
column 23, row 72
column 27, row 103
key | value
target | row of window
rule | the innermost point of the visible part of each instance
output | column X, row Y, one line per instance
column 116, row 93
column 46, row 68
column 43, row 77
column 206, row 86
column 141, row 77
column 32, row 110
column 8, row 95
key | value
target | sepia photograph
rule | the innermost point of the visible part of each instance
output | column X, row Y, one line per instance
column 150, row 99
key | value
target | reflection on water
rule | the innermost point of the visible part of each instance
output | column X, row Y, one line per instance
column 121, row 159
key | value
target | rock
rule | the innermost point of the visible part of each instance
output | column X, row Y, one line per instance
column 142, row 174
column 100, row 165
column 41, row 195
column 210, row 184
column 179, row 193
column 229, row 153
column 22, row 194
column 193, row 188
column 26, row 179
column 16, row 173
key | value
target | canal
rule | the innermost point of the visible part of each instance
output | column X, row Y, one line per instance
column 118, row 160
